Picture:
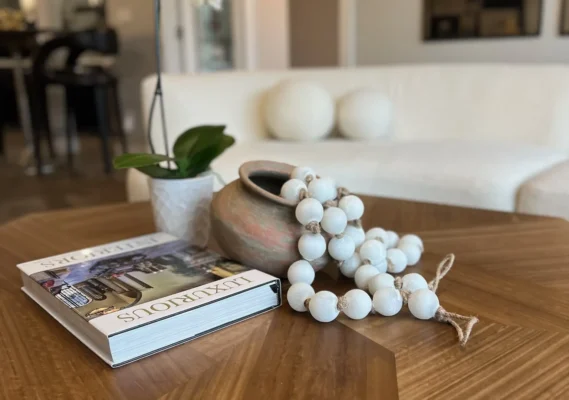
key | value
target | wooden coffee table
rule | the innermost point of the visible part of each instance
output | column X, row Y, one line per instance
column 512, row 271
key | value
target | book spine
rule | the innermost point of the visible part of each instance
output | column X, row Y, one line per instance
column 145, row 313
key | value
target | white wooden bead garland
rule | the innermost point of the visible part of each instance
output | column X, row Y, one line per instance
column 365, row 256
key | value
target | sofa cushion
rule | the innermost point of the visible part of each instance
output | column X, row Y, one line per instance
column 453, row 172
column 547, row 193
column 364, row 114
column 299, row 111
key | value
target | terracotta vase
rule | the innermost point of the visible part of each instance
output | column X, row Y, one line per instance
column 253, row 225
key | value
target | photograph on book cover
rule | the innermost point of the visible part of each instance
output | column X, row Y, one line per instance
column 106, row 285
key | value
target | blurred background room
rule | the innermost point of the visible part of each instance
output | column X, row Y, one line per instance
column 71, row 70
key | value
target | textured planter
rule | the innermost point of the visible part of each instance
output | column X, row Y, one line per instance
column 255, row 226
column 181, row 207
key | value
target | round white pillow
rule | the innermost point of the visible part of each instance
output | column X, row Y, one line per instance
column 364, row 114
column 299, row 110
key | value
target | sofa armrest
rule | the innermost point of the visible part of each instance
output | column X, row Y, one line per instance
column 546, row 193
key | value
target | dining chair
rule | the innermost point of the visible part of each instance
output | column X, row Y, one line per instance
column 73, row 76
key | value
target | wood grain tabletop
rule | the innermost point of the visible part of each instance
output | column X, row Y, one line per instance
column 512, row 271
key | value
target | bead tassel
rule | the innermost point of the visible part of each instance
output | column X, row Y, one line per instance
column 443, row 315
column 443, row 268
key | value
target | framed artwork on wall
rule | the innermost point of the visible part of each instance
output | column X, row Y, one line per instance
column 472, row 19
column 564, row 18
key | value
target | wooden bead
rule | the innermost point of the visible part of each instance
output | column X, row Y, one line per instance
column 334, row 221
column 352, row 206
column 323, row 306
column 413, row 282
column 396, row 261
column 292, row 188
column 381, row 266
column 379, row 281
column 392, row 239
column 312, row 246
column 303, row 173
column 341, row 248
column 364, row 274
column 297, row 295
column 373, row 251
column 357, row 234
column 300, row 271
column 309, row 210
column 412, row 252
column 412, row 239
column 423, row 304
column 349, row 266
column 377, row 234
column 322, row 189
column 387, row 301
column 358, row 304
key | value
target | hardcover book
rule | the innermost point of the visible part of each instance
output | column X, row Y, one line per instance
column 129, row 299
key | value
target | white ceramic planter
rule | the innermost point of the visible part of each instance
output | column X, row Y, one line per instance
column 181, row 207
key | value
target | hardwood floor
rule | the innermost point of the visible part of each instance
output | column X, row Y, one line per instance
column 85, row 185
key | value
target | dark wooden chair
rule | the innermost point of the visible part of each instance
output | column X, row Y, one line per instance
column 15, row 45
column 71, row 77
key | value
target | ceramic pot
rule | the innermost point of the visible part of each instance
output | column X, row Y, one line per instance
column 181, row 207
column 253, row 225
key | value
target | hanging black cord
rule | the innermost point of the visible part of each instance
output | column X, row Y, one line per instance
column 158, row 88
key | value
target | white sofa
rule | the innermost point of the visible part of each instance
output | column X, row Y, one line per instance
column 485, row 136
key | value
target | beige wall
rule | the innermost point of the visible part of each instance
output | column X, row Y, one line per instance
column 389, row 31
column 271, row 34
column 313, row 33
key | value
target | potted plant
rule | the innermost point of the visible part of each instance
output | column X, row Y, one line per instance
column 181, row 185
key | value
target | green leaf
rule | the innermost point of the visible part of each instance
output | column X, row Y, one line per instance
column 183, row 165
column 185, row 143
column 136, row 160
column 196, row 139
column 225, row 143
column 155, row 171
column 200, row 161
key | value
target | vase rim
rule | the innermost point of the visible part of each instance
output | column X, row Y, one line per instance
column 267, row 168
